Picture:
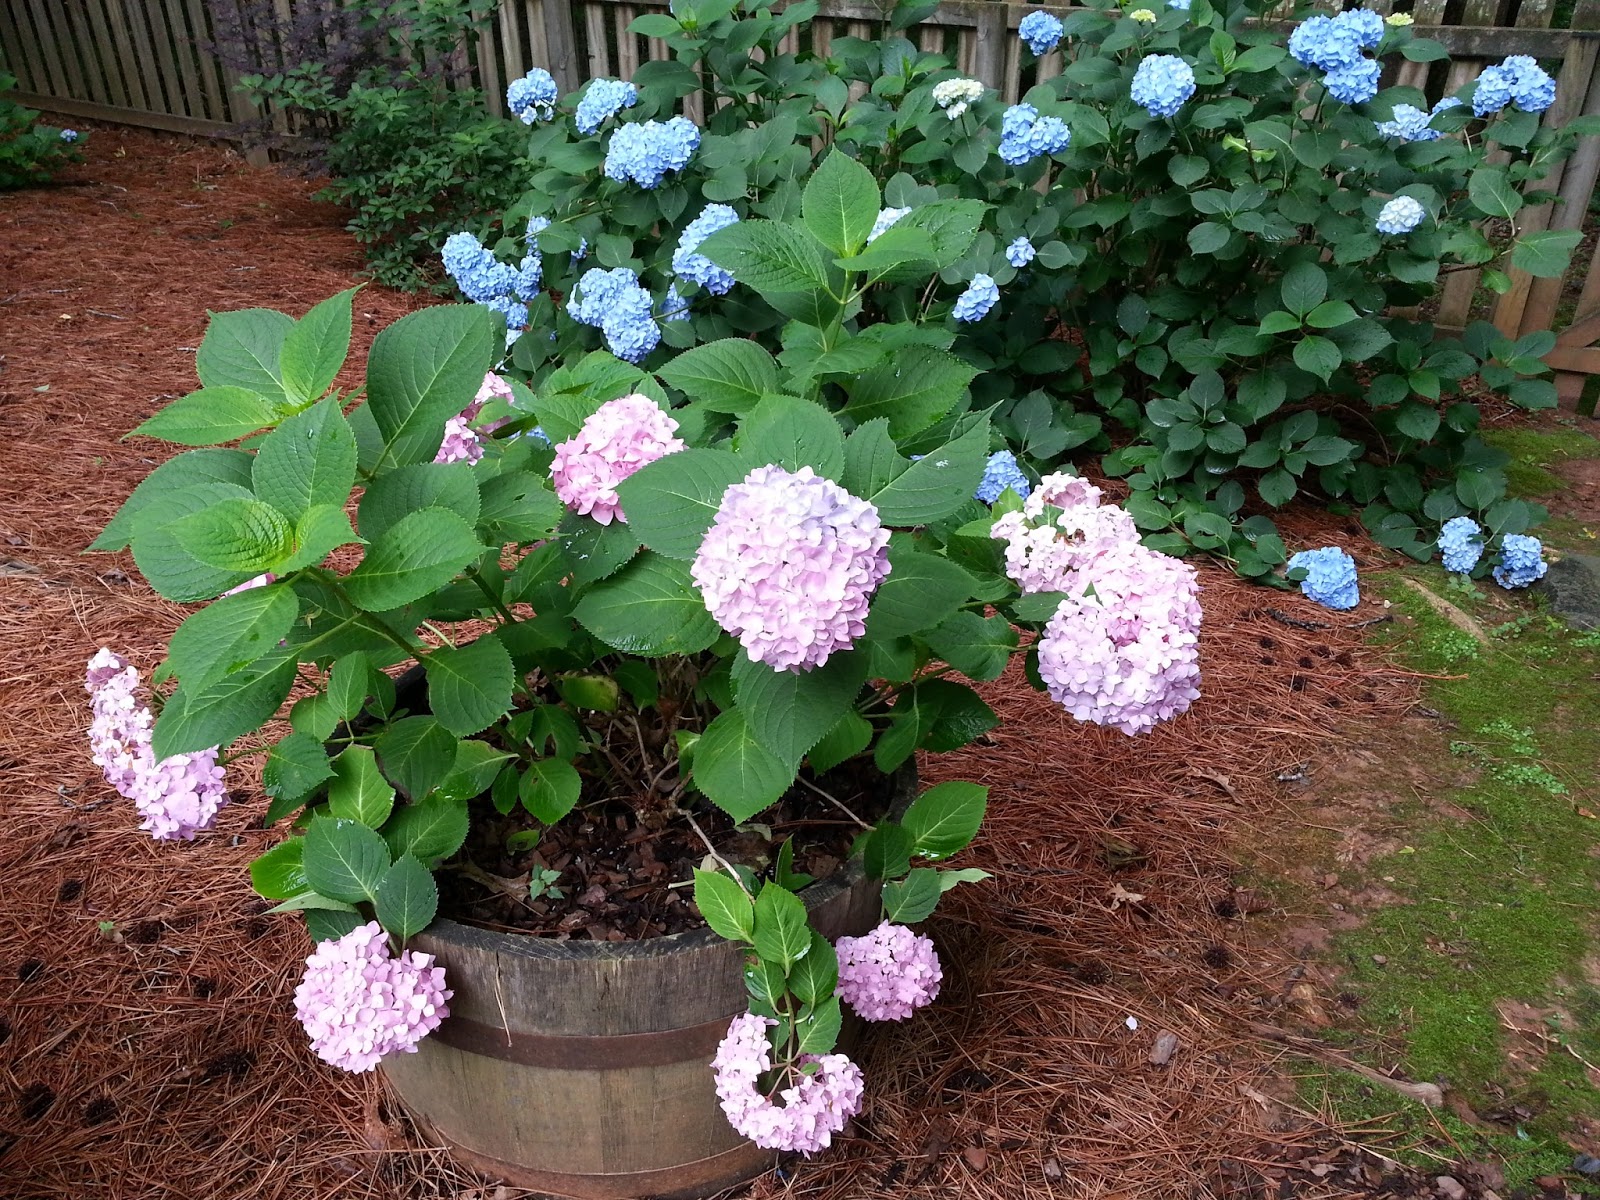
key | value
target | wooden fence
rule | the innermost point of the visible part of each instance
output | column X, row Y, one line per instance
column 141, row 62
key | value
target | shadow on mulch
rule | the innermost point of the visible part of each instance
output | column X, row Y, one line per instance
column 147, row 1041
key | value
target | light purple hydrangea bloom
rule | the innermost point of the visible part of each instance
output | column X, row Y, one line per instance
column 1020, row 253
column 1521, row 561
column 603, row 98
column 358, row 1003
column 645, row 151
column 1460, row 545
column 178, row 796
column 814, row 1106
column 1041, row 32
column 1025, row 135
column 789, row 565
column 1400, row 215
column 975, row 303
column 888, row 974
column 533, row 97
column 696, row 267
column 1162, row 83
column 1330, row 577
column 886, row 217
column 620, row 437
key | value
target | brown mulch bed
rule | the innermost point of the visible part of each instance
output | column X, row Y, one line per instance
column 147, row 1043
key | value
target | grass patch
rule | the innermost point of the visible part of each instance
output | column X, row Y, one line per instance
column 1533, row 452
column 1502, row 905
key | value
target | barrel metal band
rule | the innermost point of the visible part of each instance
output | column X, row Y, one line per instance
column 584, row 1052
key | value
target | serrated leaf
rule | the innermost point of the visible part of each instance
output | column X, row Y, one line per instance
column 913, row 898
column 307, row 461
column 726, row 906
column 243, row 349
column 937, row 484
column 814, row 979
column 191, row 469
column 921, row 592
column 790, row 711
column 393, row 496
column 840, row 203
column 316, row 347
column 850, row 735
column 979, row 647
column 550, row 789
column 739, row 774
column 1490, row 188
column 912, row 389
column 359, row 792
column 231, row 633
column 469, row 687
column 296, row 766
column 407, row 898
column 727, row 376
column 423, row 370
column 768, row 257
column 1546, row 253
column 235, row 705
column 235, row 534
column 945, row 818
column 671, row 502
column 349, row 684
column 649, row 608
column 792, row 433
column 818, row 1030
column 419, row 554
column 212, row 416
column 886, row 851
column 280, row 873
column 430, row 829
column 782, row 930
column 344, row 859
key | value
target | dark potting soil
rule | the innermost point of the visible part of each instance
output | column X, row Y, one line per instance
column 601, row 874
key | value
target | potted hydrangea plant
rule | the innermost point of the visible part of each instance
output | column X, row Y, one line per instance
column 645, row 574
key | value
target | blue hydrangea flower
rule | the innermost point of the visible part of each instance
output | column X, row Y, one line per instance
column 1162, row 83
column 1521, row 561
column 1408, row 124
column 533, row 97
column 604, row 98
column 1330, row 577
column 529, row 275
column 695, row 267
column 1041, row 31
column 1183, row 5
column 1001, row 472
column 479, row 275
column 1400, row 215
column 886, row 218
column 1493, row 91
column 1364, row 23
column 514, row 311
column 1024, row 135
column 1461, row 545
column 674, row 307
column 69, row 135
column 1518, row 80
column 974, row 303
column 582, row 252
column 613, row 302
column 1328, row 43
column 1354, row 85
column 1020, row 253
column 536, row 226
column 645, row 151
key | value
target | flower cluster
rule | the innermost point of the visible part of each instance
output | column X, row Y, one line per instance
column 1410, row 124
column 1162, row 83
column 1330, row 578
column 69, row 135
column 620, row 437
column 462, row 442
column 533, row 97
column 1400, row 215
column 1335, row 45
column 1024, row 135
column 956, row 95
column 1521, row 561
column 614, row 303
column 673, row 306
column 1142, row 15
column 886, row 217
column 789, row 564
column 645, row 151
column 1517, row 81
column 603, row 98
column 1041, row 31
column 486, row 280
column 697, row 268
column 999, row 473
column 888, row 974
column 358, row 1003
column 974, row 303
column 815, row 1106
column 1460, row 545
column 1123, row 647
column 1020, row 253
column 178, row 796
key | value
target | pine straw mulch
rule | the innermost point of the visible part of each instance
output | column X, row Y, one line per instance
column 147, row 1042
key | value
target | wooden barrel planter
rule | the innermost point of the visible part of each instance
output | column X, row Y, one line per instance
column 583, row 1068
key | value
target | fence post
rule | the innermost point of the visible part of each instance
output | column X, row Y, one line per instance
column 561, row 37
column 989, row 54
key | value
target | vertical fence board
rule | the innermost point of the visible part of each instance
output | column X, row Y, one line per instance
column 132, row 68
column 108, row 68
column 490, row 61
column 29, row 64
column 627, row 44
column 65, row 77
column 201, row 29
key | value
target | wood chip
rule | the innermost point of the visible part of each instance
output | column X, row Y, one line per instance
column 1166, row 1046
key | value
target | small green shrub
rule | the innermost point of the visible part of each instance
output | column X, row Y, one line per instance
column 31, row 153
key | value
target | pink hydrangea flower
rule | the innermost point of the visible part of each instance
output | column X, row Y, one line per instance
column 461, row 442
column 493, row 388
column 1128, row 654
column 259, row 581
column 888, row 974
column 1042, row 557
column 358, row 1003
column 814, row 1108
column 177, row 797
column 622, row 436
column 789, row 564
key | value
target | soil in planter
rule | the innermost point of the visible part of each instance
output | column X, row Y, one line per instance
column 601, row 874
